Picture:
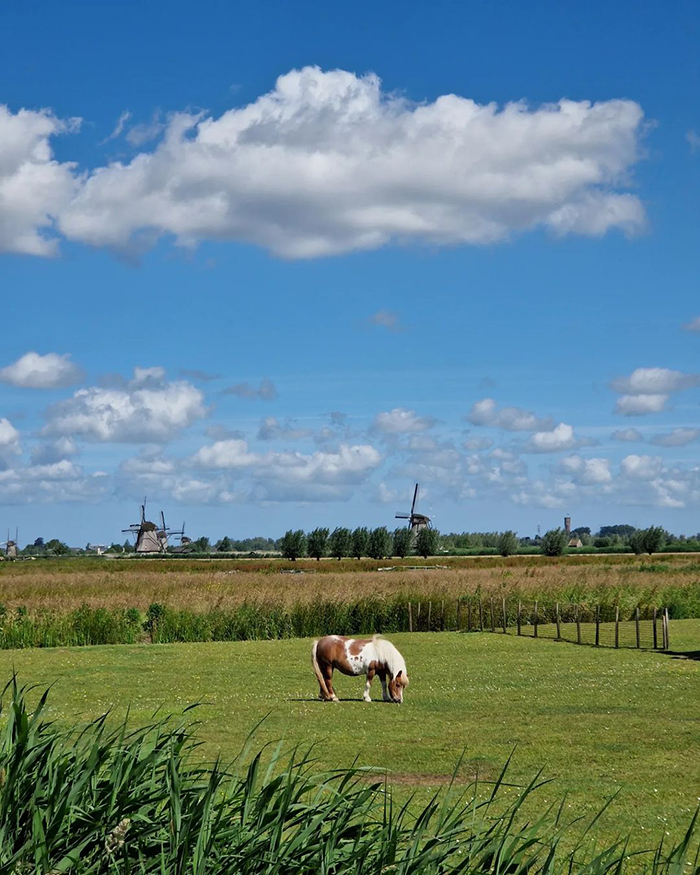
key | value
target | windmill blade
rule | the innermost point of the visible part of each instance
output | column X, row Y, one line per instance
column 415, row 498
column 402, row 516
column 162, row 519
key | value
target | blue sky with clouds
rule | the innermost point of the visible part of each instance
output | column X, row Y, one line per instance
column 272, row 264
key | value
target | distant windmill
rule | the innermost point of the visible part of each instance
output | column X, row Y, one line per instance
column 185, row 542
column 11, row 546
column 149, row 538
column 416, row 521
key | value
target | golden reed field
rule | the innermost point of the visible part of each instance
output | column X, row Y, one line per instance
column 199, row 585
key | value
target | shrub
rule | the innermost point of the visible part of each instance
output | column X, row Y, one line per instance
column 508, row 543
column 554, row 542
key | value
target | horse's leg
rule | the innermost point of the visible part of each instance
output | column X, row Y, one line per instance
column 328, row 677
column 385, row 691
column 370, row 674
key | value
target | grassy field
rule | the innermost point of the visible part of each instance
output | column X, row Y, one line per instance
column 597, row 721
column 63, row 585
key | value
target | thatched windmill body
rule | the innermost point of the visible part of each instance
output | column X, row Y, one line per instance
column 416, row 521
column 11, row 546
column 149, row 537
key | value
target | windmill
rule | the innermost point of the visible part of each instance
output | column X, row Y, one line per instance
column 416, row 521
column 11, row 546
column 185, row 542
column 146, row 534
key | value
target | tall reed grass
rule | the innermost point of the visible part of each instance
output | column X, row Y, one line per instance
column 122, row 800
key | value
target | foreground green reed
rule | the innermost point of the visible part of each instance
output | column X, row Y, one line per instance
column 118, row 800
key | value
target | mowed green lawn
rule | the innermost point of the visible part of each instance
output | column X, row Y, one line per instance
column 597, row 721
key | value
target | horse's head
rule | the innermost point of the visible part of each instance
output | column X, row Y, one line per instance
column 396, row 687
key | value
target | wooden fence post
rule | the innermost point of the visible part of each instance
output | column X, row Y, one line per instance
column 418, row 618
column 617, row 625
column 410, row 618
column 520, row 612
column 597, row 625
column 666, row 630
column 636, row 624
column 481, row 616
column 654, row 629
column 536, row 619
column 442, row 615
column 578, row 626
column 469, row 614
column 558, row 622
column 505, row 617
column 459, row 605
column 430, row 610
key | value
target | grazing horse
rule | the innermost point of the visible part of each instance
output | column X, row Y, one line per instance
column 353, row 656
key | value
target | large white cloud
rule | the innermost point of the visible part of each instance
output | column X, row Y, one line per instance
column 586, row 471
column 641, row 467
column 486, row 412
column 145, row 410
column 34, row 187
column 35, row 371
column 328, row 163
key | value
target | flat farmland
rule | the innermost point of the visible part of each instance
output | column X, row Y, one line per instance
column 200, row 585
column 598, row 722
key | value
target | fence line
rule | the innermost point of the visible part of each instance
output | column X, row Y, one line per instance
column 598, row 625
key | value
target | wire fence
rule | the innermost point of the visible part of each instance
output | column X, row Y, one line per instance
column 600, row 625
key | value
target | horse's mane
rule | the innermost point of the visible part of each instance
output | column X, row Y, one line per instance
column 389, row 655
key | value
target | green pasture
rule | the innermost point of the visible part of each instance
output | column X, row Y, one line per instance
column 597, row 721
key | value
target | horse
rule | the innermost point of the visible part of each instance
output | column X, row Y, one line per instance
column 354, row 656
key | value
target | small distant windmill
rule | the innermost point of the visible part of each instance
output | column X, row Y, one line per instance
column 147, row 536
column 416, row 521
column 185, row 542
column 11, row 546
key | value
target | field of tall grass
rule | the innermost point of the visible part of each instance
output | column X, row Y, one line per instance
column 47, row 603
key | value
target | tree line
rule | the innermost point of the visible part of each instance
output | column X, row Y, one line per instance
column 359, row 543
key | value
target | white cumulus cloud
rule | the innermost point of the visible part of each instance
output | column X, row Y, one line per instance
column 34, row 187
column 560, row 438
column 35, row 371
column 586, row 471
column 641, row 467
column 401, row 421
column 486, row 412
column 628, row 435
column 640, row 405
column 654, row 381
column 328, row 163
column 677, row 437
column 140, row 412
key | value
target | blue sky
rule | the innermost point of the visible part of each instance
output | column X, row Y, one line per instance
column 338, row 282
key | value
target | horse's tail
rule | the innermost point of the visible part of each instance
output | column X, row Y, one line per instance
column 317, row 671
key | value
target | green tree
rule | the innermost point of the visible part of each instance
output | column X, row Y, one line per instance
column 427, row 542
column 403, row 541
column 201, row 545
column 225, row 545
column 508, row 543
column 293, row 545
column 653, row 539
column 317, row 543
column 380, row 543
column 57, row 548
column 360, row 541
column 340, row 543
column 128, row 546
column 554, row 542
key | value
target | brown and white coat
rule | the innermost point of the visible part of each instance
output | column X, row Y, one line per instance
column 356, row 656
